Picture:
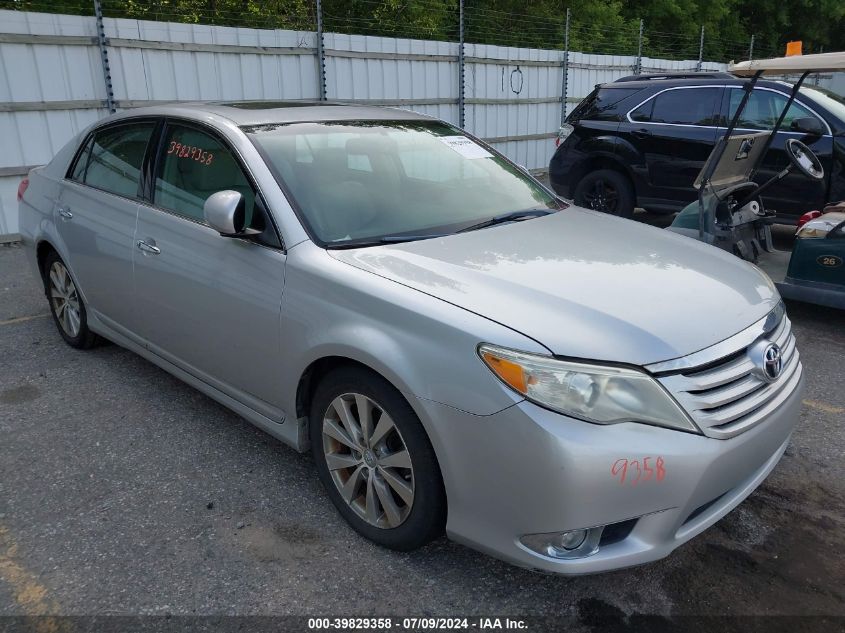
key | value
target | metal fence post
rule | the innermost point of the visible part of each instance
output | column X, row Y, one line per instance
column 104, row 55
column 565, row 79
column 639, row 67
column 461, row 65
column 321, row 53
column 700, row 50
column 751, row 48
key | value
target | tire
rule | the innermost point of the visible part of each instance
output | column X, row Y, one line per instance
column 606, row 190
column 372, row 472
column 66, row 304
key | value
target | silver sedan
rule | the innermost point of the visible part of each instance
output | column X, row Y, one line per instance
column 460, row 350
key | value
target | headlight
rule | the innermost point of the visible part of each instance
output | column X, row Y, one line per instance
column 594, row 393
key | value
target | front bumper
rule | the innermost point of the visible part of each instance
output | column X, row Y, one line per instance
column 526, row 470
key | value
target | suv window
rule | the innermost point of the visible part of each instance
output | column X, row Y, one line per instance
column 599, row 105
column 763, row 109
column 112, row 161
column 193, row 165
column 685, row 106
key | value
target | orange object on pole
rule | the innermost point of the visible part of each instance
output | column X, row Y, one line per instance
column 793, row 48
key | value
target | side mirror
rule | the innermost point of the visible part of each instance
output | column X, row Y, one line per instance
column 225, row 213
column 807, row 125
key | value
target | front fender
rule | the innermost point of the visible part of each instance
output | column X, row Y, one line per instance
column 424, row 346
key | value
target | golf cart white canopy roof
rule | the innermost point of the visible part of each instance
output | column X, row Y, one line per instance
column 821, row 62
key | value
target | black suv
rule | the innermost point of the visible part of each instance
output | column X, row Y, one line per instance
column 641, row 141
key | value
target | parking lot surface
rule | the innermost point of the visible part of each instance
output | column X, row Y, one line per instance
column 124, row 491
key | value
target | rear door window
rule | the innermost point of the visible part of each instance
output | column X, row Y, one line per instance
column 113, row 162
column 683, row 106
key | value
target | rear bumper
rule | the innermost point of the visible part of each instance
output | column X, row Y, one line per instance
column 822, row 294
column 526, row 470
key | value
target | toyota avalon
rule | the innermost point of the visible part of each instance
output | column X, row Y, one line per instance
column 459, row 349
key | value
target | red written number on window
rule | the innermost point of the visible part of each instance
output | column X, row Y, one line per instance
column 189, row 151
column 634, row 471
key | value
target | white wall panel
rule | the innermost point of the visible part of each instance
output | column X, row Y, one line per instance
column 9, row 205
column 355, row 78
column 175, row 75
column 33, row 73
column 505, row 76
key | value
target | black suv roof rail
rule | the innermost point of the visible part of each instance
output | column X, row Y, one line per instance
column 681, row 75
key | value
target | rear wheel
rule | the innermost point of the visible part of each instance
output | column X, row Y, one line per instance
column 375, row 460
column 66, row 304
column 606, row 190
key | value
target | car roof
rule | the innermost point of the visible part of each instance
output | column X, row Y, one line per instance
column 673, row 81
column 675, row 75
column 248, row 113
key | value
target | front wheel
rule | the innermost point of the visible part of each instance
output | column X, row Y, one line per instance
column 375, row 460
column 606, row 190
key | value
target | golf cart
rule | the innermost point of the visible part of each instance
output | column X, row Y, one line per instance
column 730, row 213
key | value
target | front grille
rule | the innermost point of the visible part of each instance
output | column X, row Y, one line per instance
column 726, row 397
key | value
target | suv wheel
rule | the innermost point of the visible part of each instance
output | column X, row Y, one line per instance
column 66, row 304
column 606, row 190
column 375, row 460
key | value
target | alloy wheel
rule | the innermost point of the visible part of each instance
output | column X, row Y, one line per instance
column 64, row 300
column 368, row 460
column 602, row 197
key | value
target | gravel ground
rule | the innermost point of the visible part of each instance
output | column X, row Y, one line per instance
column 124, row 491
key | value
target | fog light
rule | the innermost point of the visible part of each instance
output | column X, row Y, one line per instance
column 569, row 544
column 569, row 541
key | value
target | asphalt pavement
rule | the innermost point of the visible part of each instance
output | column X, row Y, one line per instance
column 124, row 491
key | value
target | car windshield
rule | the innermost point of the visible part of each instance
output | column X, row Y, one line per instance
column 362, row 182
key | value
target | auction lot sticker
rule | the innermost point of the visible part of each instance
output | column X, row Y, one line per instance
column 465, row 147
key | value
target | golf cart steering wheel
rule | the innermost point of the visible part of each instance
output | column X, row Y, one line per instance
column 804, row 160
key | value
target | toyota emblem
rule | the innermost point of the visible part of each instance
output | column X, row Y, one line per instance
column 772, row 362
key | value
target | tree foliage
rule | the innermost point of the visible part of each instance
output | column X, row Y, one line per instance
column 672, row 28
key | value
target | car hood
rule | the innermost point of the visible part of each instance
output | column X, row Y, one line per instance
column 585, row 285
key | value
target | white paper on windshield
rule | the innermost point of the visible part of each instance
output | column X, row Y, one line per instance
column 466, row 147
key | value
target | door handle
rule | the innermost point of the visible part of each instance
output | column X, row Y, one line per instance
column 148, row 248
column 65, row 213
column 641, row 133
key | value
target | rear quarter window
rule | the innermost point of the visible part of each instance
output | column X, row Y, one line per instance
column 79, row 166
column 603, row 104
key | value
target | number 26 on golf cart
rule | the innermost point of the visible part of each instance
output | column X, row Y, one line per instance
column 635, row 471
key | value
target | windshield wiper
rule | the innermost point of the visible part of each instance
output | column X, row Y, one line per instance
column 511, row 216
column 385, row 239
column 396, row 239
